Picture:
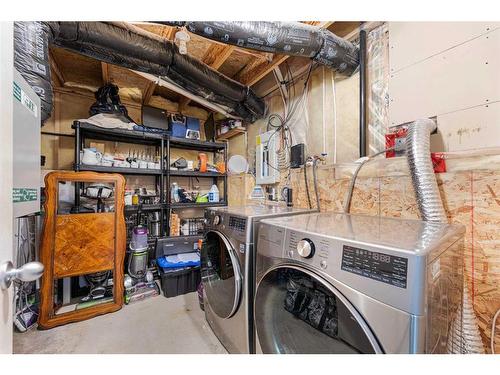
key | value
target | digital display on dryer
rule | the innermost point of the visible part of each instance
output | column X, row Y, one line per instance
column 382, row 267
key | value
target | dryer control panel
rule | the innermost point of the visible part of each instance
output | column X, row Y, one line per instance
column 382, row 267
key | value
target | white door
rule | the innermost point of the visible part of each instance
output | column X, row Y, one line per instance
column 6, row 219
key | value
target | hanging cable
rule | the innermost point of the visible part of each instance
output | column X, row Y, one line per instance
column 362, row 161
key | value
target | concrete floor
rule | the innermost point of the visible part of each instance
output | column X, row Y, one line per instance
column 156, row 325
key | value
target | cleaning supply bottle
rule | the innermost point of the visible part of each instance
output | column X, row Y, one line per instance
column 213, row 194
column 174, row 193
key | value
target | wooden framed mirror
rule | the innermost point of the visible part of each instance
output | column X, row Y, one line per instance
column 83, row 247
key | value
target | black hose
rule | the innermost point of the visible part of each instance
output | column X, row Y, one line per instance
column 362, row 93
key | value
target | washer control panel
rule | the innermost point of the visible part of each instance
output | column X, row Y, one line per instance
column 237, row 223
column 311, row 249
column 382, row 267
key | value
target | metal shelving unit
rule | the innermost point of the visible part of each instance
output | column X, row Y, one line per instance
column 163, row 145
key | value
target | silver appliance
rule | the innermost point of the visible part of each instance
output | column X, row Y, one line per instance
column 340, row 283
column 26, row 155
column 227, row 268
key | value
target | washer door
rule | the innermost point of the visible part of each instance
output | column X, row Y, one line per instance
column 296, row 311
column 221, row 276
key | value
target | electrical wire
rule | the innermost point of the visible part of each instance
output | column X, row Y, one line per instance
column 282, row 124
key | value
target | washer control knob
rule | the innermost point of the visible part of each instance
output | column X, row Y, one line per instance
column 305, row 248
column 323, row 264
column 216, row 220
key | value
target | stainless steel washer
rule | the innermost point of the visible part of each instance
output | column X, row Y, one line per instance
column 228, row 272
column 339, row 283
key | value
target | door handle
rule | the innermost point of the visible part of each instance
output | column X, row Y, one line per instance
column 28, row 272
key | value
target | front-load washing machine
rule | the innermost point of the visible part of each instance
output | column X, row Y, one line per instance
column 228, row 272
column 340, row 283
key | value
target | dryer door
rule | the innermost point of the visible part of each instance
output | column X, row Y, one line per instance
column 221, row 276
column 296, row 311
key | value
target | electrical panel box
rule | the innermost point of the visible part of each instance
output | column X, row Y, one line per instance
column 26, row 154
column 266, row 158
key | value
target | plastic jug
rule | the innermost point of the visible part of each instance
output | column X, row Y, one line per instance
column 213, row 194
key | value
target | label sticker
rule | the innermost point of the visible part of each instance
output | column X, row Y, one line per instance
column 25, row 100
column 24, row 195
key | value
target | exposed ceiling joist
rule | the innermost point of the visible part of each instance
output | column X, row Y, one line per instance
column 183, row 102
column 217, row 54
column 59, row 77
column 256, row 70
column 105, row 73
column 148, row 93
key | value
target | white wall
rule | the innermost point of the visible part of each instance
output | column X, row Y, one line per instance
column 450, row 70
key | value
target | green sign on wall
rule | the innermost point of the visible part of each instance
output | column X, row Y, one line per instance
column 24, row 195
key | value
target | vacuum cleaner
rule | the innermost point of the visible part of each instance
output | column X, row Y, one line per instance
column 139, row 282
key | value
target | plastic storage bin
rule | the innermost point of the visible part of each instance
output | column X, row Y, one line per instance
column 181, row 281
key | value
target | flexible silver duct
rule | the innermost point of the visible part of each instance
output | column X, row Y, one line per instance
column 418, row 151
column 464, row 335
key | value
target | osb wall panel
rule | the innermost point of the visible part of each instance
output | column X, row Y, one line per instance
column 470, row 197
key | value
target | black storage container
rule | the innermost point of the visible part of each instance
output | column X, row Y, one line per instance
column 182, row 281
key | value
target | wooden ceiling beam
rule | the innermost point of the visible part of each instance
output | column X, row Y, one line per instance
column 148, row 93
column 183, row 103
column 58, row 75
column 253, row 72
column 105, row 73
column 217, row 54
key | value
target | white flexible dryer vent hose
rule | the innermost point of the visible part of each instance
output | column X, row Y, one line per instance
column 464, row 336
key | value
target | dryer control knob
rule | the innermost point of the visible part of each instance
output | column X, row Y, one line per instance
column 216, row 220
column 305, row 248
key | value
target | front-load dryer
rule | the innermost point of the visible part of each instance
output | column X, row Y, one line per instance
column 340, row 283
column 228, row 272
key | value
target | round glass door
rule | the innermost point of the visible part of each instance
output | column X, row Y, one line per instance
column 220, row 272
column 297, row 312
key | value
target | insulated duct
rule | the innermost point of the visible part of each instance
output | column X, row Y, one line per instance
column 131, row 47
column 287, row 38
column 464, row 335
column 31, row 60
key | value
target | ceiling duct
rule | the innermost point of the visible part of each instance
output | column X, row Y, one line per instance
column 128, row 46
column 287, row 38
column 31, row 59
